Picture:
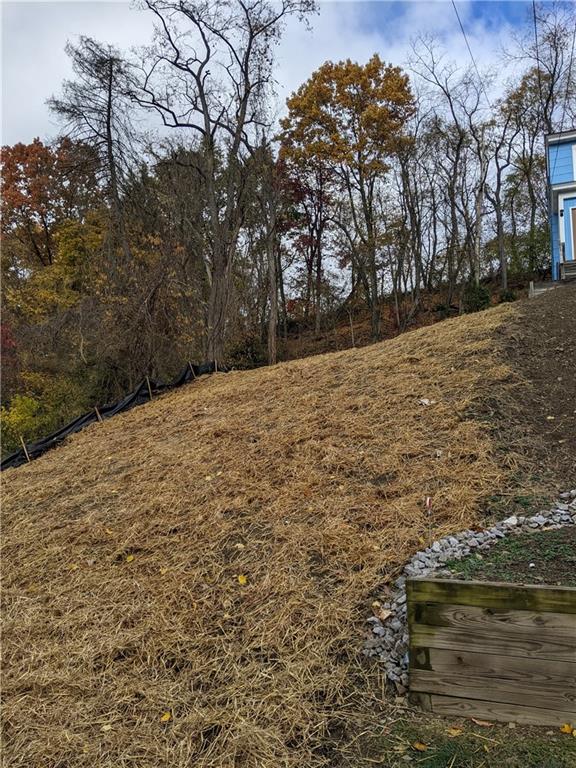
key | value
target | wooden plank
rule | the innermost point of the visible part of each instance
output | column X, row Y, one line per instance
column 487, row 594
column 548, row 625
column 421, row 700
column 490, row 710
column 492, row 666
column 558, row 696
column 504, row 642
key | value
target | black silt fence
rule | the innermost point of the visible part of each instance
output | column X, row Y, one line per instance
column 139, row 396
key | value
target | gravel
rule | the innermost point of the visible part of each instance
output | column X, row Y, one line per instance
column 388, row 640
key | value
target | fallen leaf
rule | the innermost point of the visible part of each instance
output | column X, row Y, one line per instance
column 106, row 727
column 242, row 579
column 566, row 728
column 129, row 558
column 483, row 723
column 164, row 571
column 208, row 478
column 453, row 732
column 419, row 746
column 384, row 614
column 73, row 567
column 166, row 717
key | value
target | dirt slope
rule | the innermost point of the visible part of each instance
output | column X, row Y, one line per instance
column 540, row 343
column 186, row 584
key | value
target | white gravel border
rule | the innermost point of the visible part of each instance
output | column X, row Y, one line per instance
column 388, row 639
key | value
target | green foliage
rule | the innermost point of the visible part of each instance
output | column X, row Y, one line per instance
column 19, row 418
column 46, row 404
column 248, row 353
column 475, row 298
column 508, row 295
column 443, row 310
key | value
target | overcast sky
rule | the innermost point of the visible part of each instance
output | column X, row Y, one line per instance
column 34, row 35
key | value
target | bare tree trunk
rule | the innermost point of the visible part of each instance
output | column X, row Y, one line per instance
column 217, row 309
column 318, row 289
column 374, row 301
column 272, row 297
column 119, row 226
column 280, row 280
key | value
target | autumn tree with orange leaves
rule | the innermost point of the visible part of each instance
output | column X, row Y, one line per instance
column 351, row 118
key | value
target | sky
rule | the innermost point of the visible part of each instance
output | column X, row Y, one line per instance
column 34, row 35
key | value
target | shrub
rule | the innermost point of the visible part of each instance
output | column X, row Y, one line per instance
column 508, row 295
column 475, row 298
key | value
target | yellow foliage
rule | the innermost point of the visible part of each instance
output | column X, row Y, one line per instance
column 349, row 114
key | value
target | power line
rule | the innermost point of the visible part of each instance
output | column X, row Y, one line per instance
column 537, row 51
column 568, row 79
column 480, row 80
column 566, row 94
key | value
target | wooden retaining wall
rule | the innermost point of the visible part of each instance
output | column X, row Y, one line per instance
column 493, row 651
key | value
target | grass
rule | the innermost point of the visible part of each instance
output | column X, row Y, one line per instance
column 214, row 554
column 541, row 557
column 461, row 744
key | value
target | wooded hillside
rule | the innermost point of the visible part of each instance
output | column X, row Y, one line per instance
column 174, row 219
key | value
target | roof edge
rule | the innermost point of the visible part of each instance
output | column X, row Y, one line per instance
column 553, row 138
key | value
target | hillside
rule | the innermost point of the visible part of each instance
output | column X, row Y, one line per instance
column 186, row 584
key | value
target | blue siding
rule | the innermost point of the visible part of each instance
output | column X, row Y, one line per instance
column 555, row 237
column 569, row 203
column 560, row 163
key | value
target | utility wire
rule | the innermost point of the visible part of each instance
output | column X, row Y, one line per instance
column 537, row 51
column 568, row 79
column 481, row 81
column 566, row 94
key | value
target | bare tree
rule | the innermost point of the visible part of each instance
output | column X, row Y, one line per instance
column 93, row 108
column 209, row 72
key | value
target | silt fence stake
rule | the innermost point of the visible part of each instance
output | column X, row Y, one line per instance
column 25, row 449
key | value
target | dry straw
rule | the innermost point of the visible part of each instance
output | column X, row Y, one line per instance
column 122, row 552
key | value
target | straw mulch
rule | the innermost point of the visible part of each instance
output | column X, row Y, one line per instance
column 187, row 584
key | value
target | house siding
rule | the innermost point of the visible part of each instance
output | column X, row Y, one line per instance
column 560, row 163
column 561, row 169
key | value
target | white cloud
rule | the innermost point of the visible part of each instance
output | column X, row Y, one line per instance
column 34, row 35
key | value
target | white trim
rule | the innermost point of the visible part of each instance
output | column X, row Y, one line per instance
column 562, row 219
column 561, row 222
column 574, row 161
column 571, row 221
column 557, row 138
column 569, row 185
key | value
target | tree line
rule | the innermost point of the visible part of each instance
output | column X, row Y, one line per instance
column 175, row 218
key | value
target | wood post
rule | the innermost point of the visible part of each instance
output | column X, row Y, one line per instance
column 149, row 387
column 25, row 449
column 531, row 293
column 191, row 369
column 98, row 416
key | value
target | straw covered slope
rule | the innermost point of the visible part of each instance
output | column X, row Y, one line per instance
column 186, row 584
